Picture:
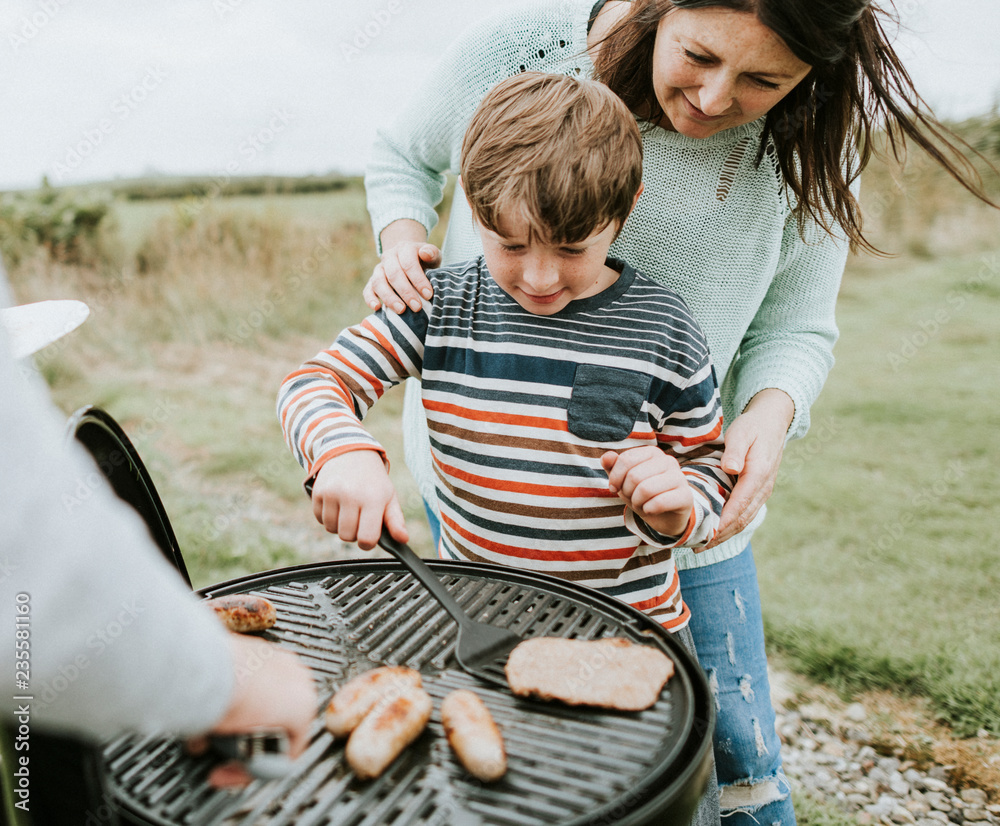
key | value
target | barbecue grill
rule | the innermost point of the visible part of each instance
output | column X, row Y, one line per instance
column 566, row 766
column 571, row 766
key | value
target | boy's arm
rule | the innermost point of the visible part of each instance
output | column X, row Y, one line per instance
column 322, row 403
column 691, row 431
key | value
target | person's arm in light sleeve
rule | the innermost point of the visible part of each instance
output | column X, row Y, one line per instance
column 117, row 642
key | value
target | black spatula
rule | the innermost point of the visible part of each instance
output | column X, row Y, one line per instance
column 481, row 649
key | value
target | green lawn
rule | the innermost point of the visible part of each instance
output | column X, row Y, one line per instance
column 188, row 356
column 880, row 557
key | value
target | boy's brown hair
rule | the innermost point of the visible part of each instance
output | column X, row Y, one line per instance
column 564, row 153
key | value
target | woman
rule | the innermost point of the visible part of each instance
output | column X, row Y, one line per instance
column 751, row 110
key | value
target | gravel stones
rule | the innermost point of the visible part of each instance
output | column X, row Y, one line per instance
column 875, row 789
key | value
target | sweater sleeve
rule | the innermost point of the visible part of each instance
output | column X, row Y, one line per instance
column 789, row 344
column 322, row 403
column 405, row 176
column 115, row 641
column 689, row 427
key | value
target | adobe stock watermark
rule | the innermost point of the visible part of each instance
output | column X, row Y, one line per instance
column 7, row 568
column 267, row 305
column 235, row 510
column 224, row 8
column 98, row 302
column 821, row 436
column 29, row 26
column 225, row 517
column 878, row 204
column 147, row 431
column 795, row 119
column 929, row 327
column 107, row 811
column 95, row 643
column 121, row 109
column 883, row 539
column 567, row 10
column 378, row 21
column 248, row 149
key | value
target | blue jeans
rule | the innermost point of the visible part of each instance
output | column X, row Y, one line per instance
column 729, row 634
column 435, row 523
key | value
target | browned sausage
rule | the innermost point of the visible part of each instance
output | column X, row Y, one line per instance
column 473, row 735
column 244, row 613
column 386, row 730
column 359, row 695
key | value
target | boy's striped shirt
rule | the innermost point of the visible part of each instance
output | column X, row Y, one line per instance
column 520, row 408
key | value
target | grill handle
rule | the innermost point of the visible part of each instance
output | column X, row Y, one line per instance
column 416, row 566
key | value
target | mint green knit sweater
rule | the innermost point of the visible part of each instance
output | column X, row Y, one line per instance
column 711, row 224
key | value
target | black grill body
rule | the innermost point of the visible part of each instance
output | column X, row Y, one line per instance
column 568, row 766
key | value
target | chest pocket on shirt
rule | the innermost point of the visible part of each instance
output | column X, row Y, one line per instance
column 605, row 402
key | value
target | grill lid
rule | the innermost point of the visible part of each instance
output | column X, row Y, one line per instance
column 119, row 461
column 567, row 765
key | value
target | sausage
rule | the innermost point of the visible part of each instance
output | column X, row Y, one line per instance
column 244, row 613
column 359, row 695
column 394, row 723
column 473, row 735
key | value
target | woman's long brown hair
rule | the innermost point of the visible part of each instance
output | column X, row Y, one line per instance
column 824, row 131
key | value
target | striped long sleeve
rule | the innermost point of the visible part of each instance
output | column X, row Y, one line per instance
column 520, row 409
column 321, row 404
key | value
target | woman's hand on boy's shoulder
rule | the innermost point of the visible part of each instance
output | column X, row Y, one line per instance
column 353, row 497
column 398, row 279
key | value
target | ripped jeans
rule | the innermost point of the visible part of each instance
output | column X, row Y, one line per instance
column 728, row 631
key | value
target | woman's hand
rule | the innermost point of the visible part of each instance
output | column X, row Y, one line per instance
column 398, row 279
column 754, row 444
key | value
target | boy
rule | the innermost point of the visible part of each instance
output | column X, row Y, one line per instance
column 558, row 383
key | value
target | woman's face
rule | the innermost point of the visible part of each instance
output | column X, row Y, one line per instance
column 715, row 68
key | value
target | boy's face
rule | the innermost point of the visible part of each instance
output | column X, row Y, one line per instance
column 543, row 277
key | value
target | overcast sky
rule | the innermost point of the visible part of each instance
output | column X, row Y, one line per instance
column 93, row 89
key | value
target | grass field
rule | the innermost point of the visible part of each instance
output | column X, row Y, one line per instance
column 189, row 353
column 879, row 560
column 136, row 218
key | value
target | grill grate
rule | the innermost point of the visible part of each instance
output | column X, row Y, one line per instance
column 565, row 766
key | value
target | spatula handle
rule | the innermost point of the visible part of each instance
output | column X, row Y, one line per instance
column 416, row 566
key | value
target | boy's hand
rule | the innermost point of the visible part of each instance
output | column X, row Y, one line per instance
column 353, row 496
column 651, row 483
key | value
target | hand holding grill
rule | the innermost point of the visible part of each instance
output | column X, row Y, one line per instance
column 273, row 691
